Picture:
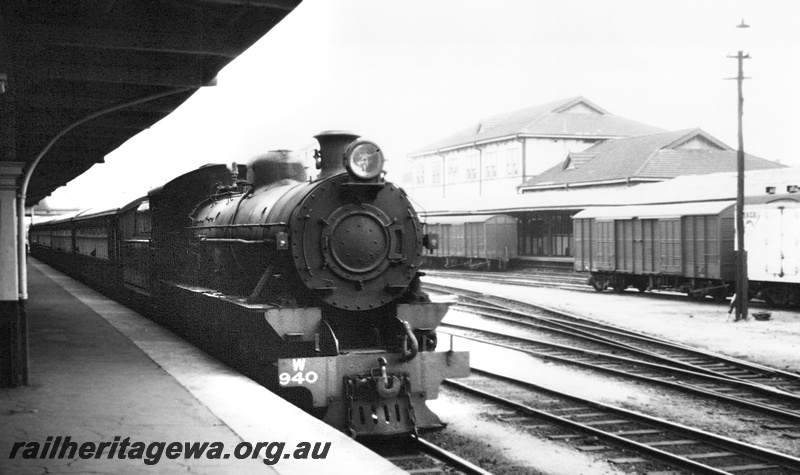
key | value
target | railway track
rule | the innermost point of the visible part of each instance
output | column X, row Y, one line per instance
column 561, row 280
column 558, row 280
column 636, row 356
column 668, row 353
column 601, row 427
column 420, row 457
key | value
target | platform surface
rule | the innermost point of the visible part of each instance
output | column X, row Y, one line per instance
column 102, row 374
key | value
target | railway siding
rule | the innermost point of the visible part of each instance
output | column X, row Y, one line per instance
column 705, row 325
column 653, row 314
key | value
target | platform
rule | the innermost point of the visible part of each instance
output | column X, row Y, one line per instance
column 115, row 382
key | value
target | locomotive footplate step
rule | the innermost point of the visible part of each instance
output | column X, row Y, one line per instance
column 100, row 371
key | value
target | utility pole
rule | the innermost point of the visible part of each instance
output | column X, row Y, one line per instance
column 742, row 289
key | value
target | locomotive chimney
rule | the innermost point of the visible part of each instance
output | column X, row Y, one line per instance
column 332, row 145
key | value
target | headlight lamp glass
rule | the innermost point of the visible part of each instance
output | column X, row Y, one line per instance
column 364, row 160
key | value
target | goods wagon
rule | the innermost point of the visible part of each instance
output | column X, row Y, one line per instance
column 772, row 242
column 684, row 247
column 475, row 242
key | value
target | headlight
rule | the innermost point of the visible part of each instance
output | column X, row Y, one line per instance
column 363, row 160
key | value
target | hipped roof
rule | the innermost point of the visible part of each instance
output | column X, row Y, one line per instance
column 554, row 119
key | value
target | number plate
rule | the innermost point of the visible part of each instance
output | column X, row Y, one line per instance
column 299, row 371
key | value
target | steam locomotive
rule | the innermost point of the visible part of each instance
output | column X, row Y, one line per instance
column 309, row 287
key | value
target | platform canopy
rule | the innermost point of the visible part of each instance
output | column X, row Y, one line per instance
column 61, row 61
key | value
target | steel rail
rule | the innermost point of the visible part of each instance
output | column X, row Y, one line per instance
column 450, row 458
column 554, row 279
column 760, row 453
column 755, row 367
column 569, row 330
column 680, row 386
column 417, row 451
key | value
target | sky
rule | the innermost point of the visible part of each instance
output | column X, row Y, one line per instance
column 405, row 74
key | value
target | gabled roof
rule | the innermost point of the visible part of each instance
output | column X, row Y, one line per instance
column 573, row 117
column 652, row 157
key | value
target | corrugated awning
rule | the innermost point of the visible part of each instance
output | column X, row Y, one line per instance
column 656, row 211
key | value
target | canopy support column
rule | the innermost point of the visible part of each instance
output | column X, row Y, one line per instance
column 13, row 321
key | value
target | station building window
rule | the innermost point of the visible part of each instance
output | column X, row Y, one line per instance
column 472, row 167
column 452, row 170
column 419, row 173
column 512, row 159
column 436, row 173
column 490, row 169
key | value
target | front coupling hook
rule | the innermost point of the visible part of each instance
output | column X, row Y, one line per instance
column 387, row 389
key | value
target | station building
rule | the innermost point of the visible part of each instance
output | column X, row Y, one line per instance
column 600, row 156
column 501, row 152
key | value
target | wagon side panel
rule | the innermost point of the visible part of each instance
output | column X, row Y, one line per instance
column 650, row 239
column 692, row 255
column 583, row 244
column 727, row 251
column 670, row 253
column 637, row 246
column 624, row 236
column 457, row 235
column 713, row 262
column 501, row 237
column 790, row 244
column 604, row 247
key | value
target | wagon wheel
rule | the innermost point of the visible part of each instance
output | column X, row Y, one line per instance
column 619, row 285
column 599, row 284
column 719, row 295
column 777, row 297
column 692, row 296
column 641, row 287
